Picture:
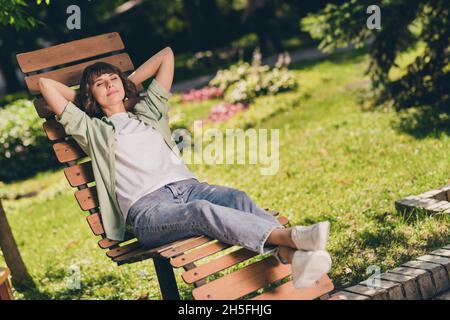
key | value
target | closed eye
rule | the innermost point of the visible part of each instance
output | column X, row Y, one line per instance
column 101, row 83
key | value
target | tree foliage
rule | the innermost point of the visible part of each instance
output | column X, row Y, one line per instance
column 14, row 12
column 405, row 24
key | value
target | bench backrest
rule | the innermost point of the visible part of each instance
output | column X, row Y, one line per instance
column 65, row 63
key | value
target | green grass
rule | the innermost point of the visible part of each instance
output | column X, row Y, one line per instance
column 339, row 160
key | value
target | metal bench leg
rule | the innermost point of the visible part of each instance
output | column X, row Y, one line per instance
column 166, row 279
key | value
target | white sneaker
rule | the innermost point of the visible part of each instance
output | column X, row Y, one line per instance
column 309, row 267
column 309, row 238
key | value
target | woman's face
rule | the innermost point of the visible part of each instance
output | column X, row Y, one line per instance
column 108, row 89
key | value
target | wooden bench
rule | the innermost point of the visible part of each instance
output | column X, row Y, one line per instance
column 5, row 285
column 65, row 63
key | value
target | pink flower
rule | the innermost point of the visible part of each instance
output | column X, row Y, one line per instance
column 224, row 111
column 202, row 94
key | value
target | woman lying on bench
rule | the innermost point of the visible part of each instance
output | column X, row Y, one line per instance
column 145, row 188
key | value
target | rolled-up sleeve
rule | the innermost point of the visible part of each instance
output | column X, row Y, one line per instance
column 155, row 103
column 76, row 123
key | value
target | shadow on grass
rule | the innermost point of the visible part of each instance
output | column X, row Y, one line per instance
column 52, row 168
column 423, row 123
column 382, row 239
column 30, row 291
column 355, row 56
column 414, row 216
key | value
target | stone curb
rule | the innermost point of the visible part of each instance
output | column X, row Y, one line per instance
column 424, row 278
column 435, row 201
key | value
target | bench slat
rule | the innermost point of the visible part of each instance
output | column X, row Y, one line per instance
column 243, row 281
column 113, row 253
column 95, row 223
column 287, row 291
column 87, row 198
column 135, row 256
column 41, row 108
column 217, row 265
column 205, row 251
column 79, row 174
column 156, row 251
column 71, row 76
column 106, row 243
column 68, row 151
column 196, row 242
column 193, row 244
column 69, row 52
column 54, row 130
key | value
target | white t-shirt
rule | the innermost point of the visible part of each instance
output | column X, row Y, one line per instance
column 144, row 162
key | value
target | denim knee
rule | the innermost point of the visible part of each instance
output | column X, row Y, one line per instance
column 205, row 218
column 241, row 196
column 201, row 208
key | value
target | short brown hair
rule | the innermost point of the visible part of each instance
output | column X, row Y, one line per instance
column 85, row 98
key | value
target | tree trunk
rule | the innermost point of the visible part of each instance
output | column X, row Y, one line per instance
column 10, row 251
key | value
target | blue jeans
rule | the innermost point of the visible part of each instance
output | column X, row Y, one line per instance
column 189, row 208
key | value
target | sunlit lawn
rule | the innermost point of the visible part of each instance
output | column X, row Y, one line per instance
column 339, row 160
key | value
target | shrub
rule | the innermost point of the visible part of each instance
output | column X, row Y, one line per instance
column 24, row 148
column 243, row 82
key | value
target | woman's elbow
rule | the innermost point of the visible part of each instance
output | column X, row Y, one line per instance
column 43, row 82
column 169, row 51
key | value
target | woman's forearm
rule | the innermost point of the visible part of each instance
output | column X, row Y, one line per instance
column 56, row 94
column 64, row 90
column 150, row 67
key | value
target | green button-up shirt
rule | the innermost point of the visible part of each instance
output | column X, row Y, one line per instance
column 96, row 137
